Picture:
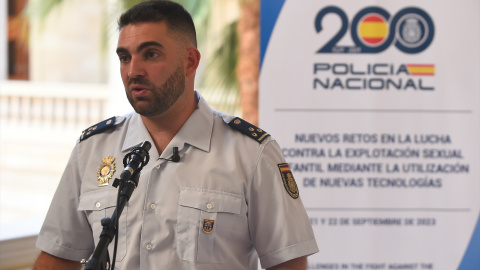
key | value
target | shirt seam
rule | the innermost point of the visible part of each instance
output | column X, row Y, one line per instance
column 285, row 248
column 43, row 241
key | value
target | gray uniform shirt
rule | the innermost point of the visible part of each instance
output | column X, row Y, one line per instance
column 222, row 206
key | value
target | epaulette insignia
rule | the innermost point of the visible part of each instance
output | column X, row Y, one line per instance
column 248, row 129
column 98, row 128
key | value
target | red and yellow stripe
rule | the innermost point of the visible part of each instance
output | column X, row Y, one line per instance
column 421, row 69
column 284, row 168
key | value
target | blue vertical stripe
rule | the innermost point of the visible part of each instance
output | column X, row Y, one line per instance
column 269, row 11
column 471, row 259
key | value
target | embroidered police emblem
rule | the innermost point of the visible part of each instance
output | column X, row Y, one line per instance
column 208, row 225
column 106, row 171
column 288, row 180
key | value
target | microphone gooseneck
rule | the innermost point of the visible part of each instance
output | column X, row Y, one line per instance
column 134, row 163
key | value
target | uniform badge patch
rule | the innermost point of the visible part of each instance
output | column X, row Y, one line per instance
column 208, row 225
column 106, row 171
column 288, row 180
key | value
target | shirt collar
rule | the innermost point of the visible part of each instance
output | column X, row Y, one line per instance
column 136, row 133
column 197, row 131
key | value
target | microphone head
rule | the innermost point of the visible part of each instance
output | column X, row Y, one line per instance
column 175, row 157
column 146, row 145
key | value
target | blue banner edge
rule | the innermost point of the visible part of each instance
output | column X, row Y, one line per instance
column 471, row 259
column 269, row 11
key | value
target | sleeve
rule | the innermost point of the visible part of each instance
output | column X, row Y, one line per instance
column 279, row 225
column 66, row 232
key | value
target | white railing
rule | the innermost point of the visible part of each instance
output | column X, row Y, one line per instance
column 63, row 105
column 52, row 104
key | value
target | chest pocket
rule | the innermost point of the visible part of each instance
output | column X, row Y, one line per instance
column 100, row 204
column 204, row 221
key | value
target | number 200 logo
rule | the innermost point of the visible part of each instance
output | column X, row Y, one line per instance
column 411, row 30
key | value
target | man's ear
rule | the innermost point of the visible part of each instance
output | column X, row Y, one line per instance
column 193, row 59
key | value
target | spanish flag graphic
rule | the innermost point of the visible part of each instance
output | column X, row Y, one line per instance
column 373, row 30
column 421, row 69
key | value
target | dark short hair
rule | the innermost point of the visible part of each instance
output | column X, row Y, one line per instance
column 178, row 20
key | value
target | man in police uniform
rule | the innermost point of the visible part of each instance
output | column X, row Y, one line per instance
column 224, row 200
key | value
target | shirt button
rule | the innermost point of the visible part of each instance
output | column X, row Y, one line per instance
column 149, row 246
column 153, row 206
column 98, row 204
column 209, row 205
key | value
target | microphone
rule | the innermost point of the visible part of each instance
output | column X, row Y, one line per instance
column 135, row 160
column 175, row 156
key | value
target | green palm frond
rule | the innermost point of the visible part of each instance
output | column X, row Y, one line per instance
column 220, row 70
column 200, row 11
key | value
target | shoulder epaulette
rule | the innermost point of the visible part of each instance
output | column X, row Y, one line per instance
column 248, row 129
column 97, row 128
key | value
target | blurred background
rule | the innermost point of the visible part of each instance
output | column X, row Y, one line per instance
column 59, row 74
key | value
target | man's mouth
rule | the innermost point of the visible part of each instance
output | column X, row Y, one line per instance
column 138, row 90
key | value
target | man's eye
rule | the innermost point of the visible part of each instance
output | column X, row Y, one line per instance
column 151, row 54
column 124, row 58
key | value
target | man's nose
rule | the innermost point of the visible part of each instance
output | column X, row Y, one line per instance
column 136, row 68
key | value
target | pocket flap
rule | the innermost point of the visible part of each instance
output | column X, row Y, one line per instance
column 98, row 200
column 210, row 200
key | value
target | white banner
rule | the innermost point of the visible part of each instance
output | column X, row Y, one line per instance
column 376, row 106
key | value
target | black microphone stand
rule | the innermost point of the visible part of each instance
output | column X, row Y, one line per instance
column 100, row 258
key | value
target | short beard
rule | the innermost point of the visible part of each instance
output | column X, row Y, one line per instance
column 164, row 96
